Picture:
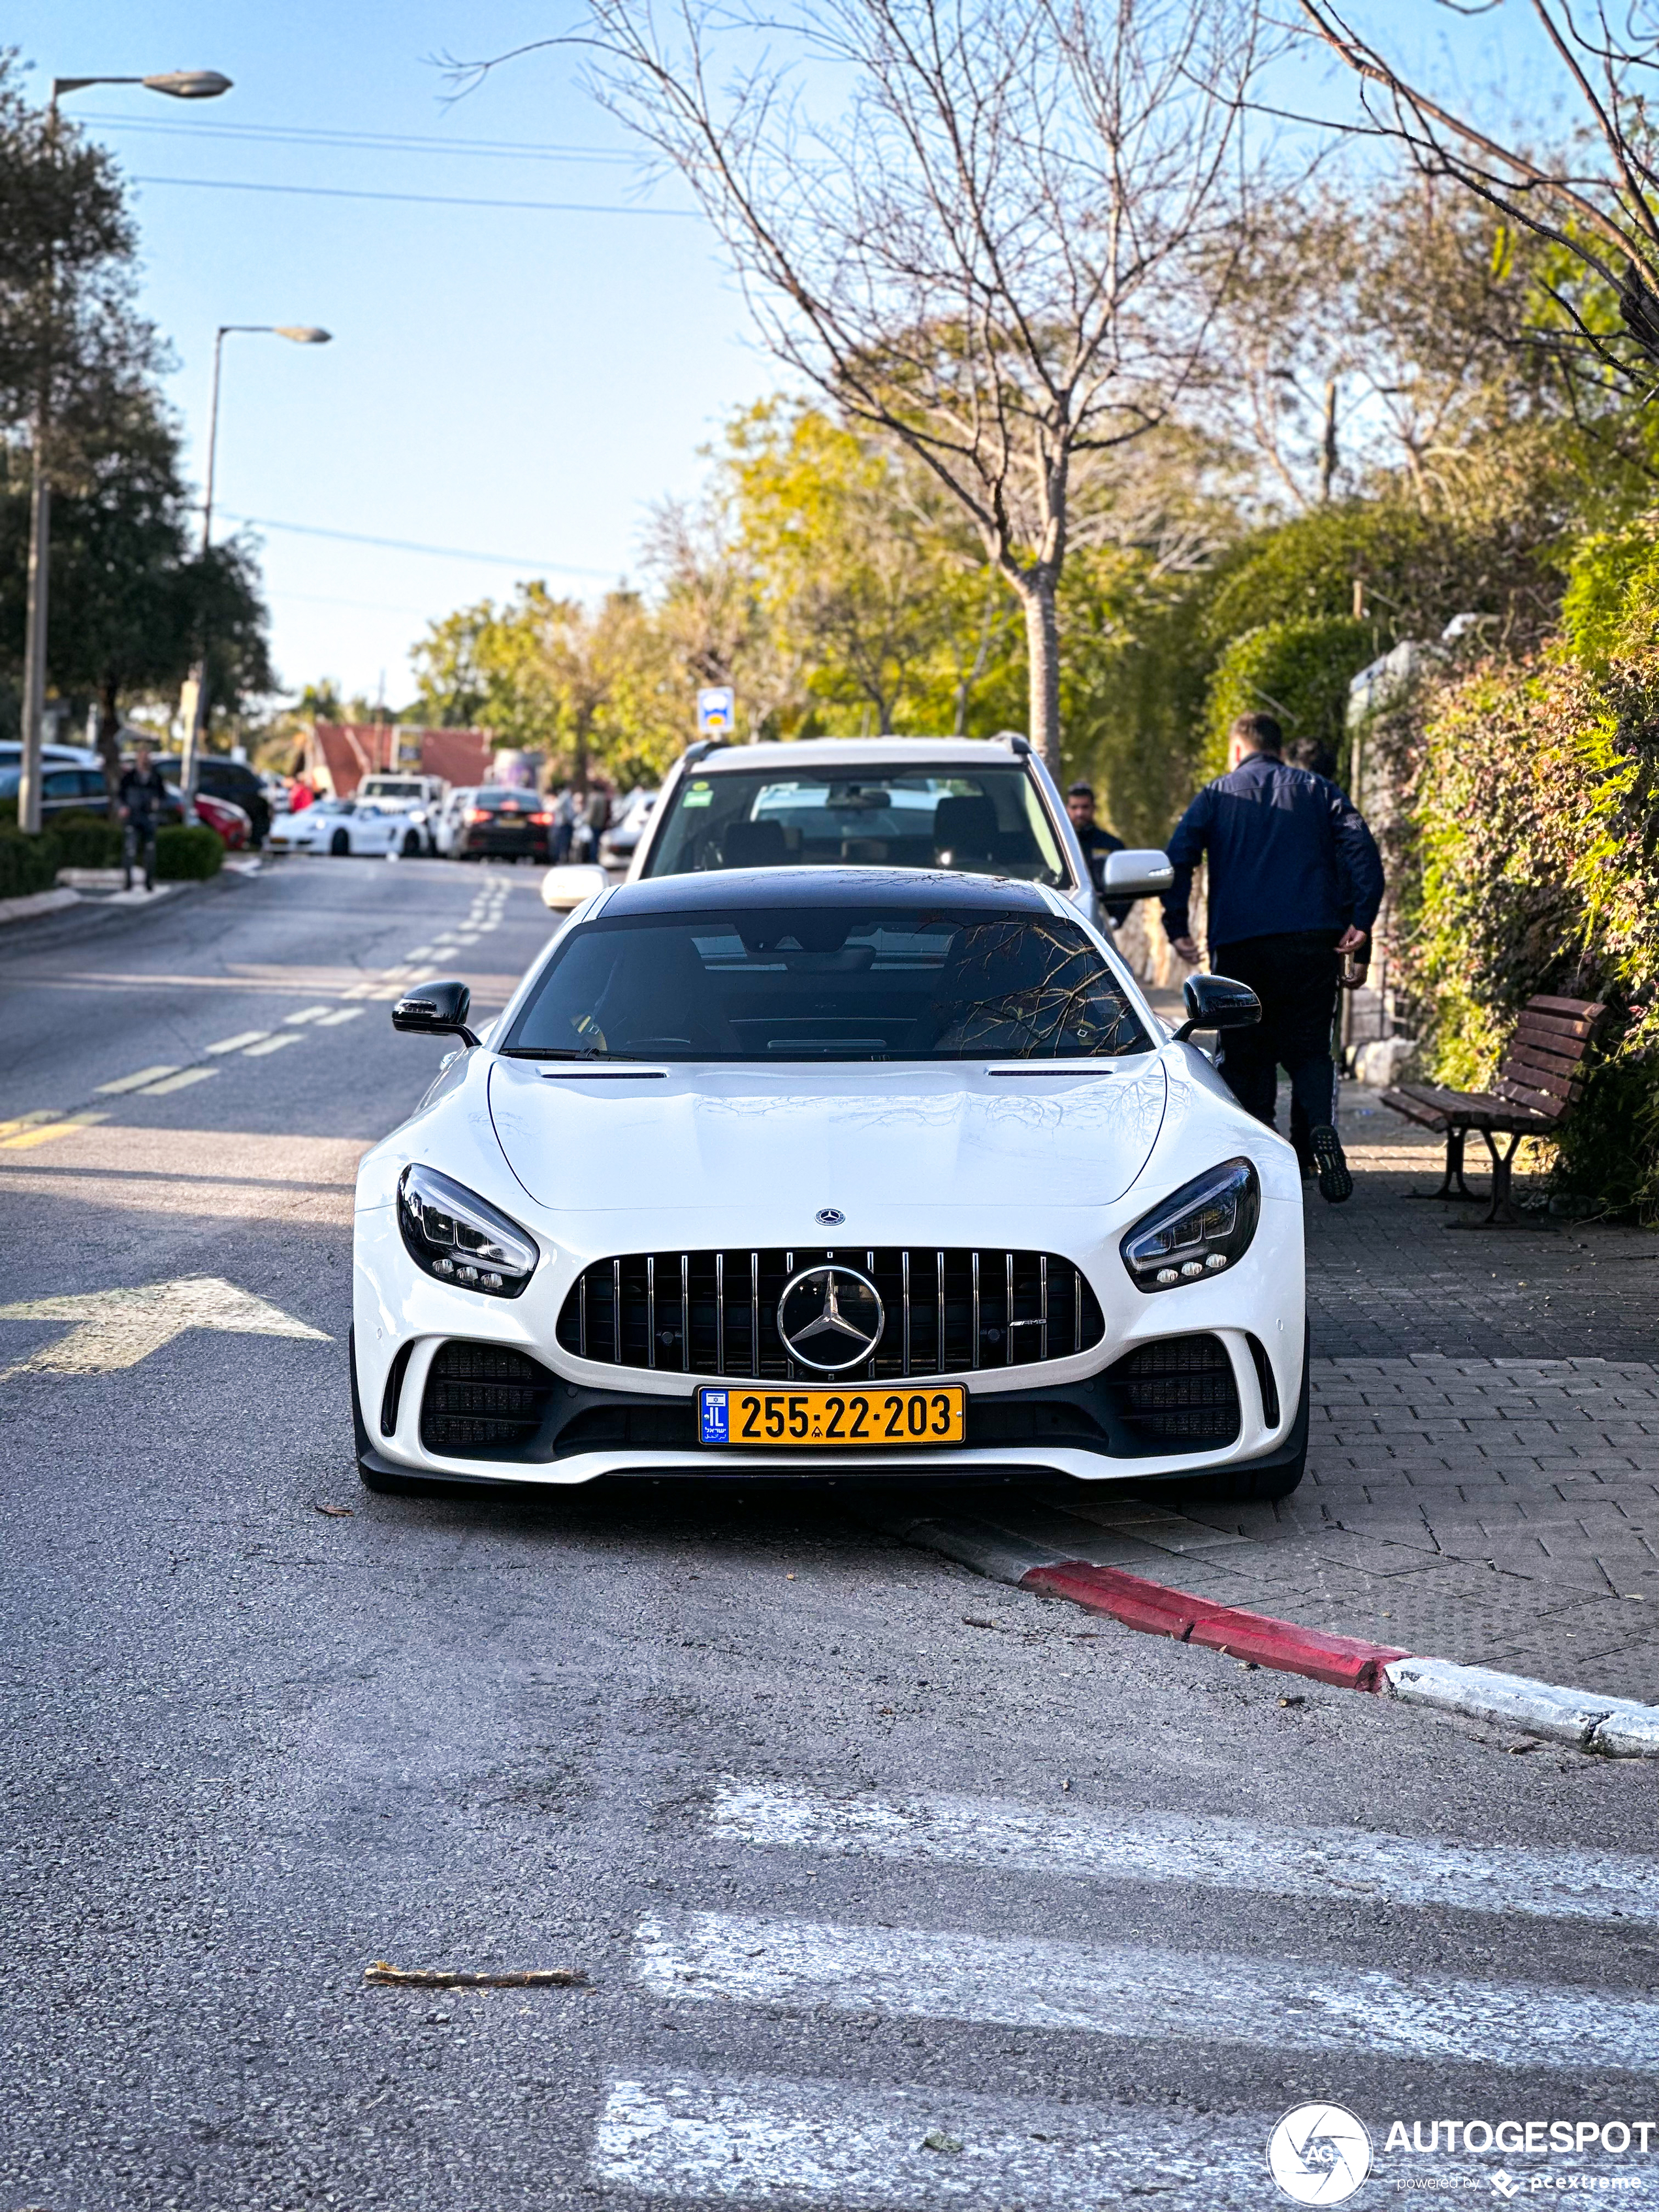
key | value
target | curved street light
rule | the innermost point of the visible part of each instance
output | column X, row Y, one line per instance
column 193, row 702
column 177, row 84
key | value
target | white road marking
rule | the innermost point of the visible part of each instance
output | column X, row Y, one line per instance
column 467, row 939
column 341, row 1014
column 306, row 1014
column 1208, row 1851
column 43, row 1129
column 1138, row 1989
column 136, row 1082
column 182, row 1081
column 118, row 1328
column 271, row 1044
column 825, row 2143
column 421, row 952
column 391, row 974
column 236, row 1043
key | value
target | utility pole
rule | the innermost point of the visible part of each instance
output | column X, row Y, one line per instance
column 193, row 700
column 178, row 84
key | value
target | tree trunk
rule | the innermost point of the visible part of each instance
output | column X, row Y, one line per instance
column 1043, row 655
column 109, row 733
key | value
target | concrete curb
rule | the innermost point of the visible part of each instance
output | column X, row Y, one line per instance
column 1617, row 1727
column 23, row 910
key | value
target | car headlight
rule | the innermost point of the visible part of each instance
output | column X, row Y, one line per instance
column 1202, row 1229
column 459, row 1237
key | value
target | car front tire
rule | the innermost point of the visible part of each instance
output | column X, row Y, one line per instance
column 340, row 844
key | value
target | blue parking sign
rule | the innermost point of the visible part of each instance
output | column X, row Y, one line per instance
column 716, row 1426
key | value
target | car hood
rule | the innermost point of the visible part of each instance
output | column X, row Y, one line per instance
column 901, row 1138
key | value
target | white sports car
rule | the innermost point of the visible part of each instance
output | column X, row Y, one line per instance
column 915, row 1182
column 351, row 826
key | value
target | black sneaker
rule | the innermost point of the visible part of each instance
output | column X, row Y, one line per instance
column 1335, row 1183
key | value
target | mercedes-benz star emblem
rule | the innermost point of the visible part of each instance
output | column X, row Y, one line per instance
column 831, row 1318
column 830, row 1216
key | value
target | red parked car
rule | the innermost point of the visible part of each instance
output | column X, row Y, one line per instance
column 234, row 826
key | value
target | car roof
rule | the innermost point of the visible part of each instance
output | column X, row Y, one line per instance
column 760, row 888
column 860, row 752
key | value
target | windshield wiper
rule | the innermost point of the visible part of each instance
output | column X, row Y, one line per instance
column 558, row 1051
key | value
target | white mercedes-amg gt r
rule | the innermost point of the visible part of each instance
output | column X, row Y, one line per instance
column 835, row 1171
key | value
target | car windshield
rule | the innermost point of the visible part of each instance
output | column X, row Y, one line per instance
column 983, row 821
column 828, row 982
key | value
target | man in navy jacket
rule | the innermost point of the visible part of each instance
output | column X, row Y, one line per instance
column 1295, row 882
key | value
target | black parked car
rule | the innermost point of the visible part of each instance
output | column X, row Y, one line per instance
column 228, row 779
column 504, row 823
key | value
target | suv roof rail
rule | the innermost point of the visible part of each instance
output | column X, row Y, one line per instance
column 702, row 748
column 1014, row 740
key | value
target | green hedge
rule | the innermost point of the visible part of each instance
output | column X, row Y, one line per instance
column 1537, row 816
column 1298, row 672
column 27, row 865
column 87, row 841
column 187, row 855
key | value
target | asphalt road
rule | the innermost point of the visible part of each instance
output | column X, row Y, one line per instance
column 890, row 1887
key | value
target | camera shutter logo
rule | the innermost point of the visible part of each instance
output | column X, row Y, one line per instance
column 1319, row 2154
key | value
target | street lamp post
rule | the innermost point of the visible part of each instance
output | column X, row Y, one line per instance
column 195, row 700
column 177, row 84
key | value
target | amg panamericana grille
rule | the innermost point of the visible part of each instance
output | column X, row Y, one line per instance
column 946, row 1312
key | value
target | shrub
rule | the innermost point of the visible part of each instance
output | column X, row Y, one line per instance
column 187, row 855
column 1537, row 814
column 27, row 865
column 1299, row 671
column 87, row 841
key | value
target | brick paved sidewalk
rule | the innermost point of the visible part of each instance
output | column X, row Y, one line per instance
column 1483, row 1475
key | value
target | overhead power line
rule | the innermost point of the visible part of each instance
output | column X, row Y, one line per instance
column 418, row 199
column 408, row 546
column 371, row 140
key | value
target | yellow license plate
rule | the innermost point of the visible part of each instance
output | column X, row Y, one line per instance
column 851, row 1419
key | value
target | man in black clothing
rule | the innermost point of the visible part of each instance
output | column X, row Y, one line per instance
column 1096, row 843
column 142, row 799
column 1295, row 882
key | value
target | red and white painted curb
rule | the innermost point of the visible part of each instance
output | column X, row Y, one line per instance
column 1618, row 1727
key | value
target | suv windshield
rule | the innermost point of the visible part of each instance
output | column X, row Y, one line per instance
column 983, row 820
column 828, row 982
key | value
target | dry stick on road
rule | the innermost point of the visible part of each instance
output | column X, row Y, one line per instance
column 1001, row 252
column 385, row 1976
column 1595, row 200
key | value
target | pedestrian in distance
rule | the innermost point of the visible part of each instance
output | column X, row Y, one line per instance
column 1295, row 882
column 563, row 826
column 141, row 801
column 1097, row 842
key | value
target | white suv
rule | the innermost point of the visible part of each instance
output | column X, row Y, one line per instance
column 982, row 806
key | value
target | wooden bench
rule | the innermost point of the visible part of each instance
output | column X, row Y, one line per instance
column 1536, row 1088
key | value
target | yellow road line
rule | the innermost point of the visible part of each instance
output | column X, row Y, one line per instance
column 28, row 1120
column 44, row 1133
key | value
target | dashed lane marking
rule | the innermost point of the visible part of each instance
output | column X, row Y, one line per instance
column 271, row 1044
column 44, row 1129
column 1135, row 1990
column 29, row 1120
column 118, row 1328
column 240, row 1041
column 136, row 1082
column 1207, row 1851
column 340, row 1014
column 891, row 2148
column 306, row 1014
column 182, row 1081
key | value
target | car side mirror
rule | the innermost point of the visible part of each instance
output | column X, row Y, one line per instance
column 1136, row 875
column 436, row 1010
column 1216, row 1002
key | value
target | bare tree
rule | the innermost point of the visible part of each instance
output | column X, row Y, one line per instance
column 991, row 250
column 1595, row 200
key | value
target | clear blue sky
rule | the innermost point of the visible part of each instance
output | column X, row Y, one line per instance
column 501, row 380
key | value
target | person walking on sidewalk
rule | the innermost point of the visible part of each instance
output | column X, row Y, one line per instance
column 1295, row 882
column 1098, row 844
column 142, row 799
